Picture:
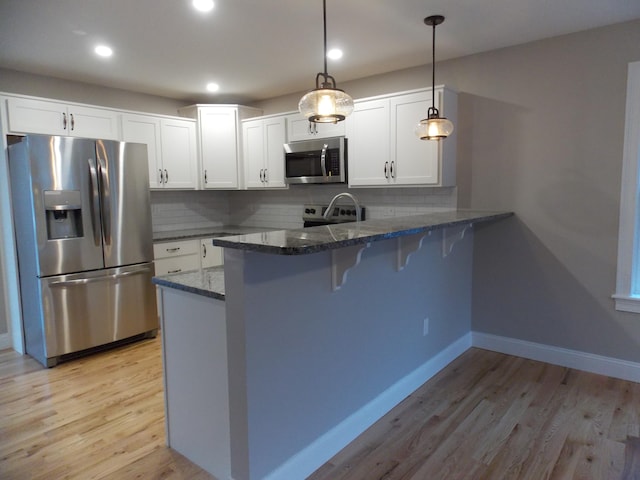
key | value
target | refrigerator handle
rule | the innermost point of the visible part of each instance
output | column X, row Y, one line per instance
column 93, row 198
column 105, row 189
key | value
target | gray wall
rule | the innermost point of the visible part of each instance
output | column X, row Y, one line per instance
column 55, row 88
column 541, row 133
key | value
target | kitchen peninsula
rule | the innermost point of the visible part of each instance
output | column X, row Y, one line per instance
column 308, row 336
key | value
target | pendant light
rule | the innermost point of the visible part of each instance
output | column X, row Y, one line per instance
column 434, row 127
column 325, row 103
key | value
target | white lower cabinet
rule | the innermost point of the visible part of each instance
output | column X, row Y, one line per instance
column 177, row 256
column 186, row 255
column 263, row 152
column 171, row 147
column 210, row 255
column 384, row 150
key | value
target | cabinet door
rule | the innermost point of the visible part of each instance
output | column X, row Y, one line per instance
column 89, row 122
column 219, row 146
column 145, row 129
column 274, row 139
column 52, row 118
column 210, row 256
column 253, row 153
column 368, row 136
column 414, row 161
column 298, row 128
column 178, row 140
column 37, row 116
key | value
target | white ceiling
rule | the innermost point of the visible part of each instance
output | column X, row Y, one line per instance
column 257, row 49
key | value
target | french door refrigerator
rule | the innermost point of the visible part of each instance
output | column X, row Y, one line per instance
column 82, row 219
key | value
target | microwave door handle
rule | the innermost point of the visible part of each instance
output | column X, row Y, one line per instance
column 323, row 160
column 94, row 201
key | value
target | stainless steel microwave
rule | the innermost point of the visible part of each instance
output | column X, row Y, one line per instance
column 322, row 160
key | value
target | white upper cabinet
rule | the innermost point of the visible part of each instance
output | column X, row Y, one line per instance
column 383, row 149
column 299, row 128
column 368, row 143
column 179, row 153
column 29, row 115
column 171, row 147
column 263, row 152
column 219, row 141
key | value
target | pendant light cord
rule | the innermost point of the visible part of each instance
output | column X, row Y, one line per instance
column 433, row 67
column 324, row 20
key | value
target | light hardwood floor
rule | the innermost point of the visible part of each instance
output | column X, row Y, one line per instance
column 485, row 416
column 98, row 417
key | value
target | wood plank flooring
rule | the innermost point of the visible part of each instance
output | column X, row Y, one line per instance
column 494, row 416
column 485, row 416
column 98, row 417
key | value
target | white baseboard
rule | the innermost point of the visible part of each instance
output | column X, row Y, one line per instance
column 5, row 341
column 305, row 462
column 564, row 357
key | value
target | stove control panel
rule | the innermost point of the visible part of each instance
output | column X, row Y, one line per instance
column 340, row 214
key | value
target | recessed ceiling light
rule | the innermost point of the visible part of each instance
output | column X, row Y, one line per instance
column 203, row 5
column 103, row 51
column 213, row 87
column 334, row 54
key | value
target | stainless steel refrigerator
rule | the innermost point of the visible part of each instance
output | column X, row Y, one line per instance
column 82, row 219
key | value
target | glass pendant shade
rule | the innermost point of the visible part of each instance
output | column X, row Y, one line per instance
column 325, row 103
column 434, row 128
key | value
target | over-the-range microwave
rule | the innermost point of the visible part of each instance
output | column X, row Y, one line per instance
column 322, row 160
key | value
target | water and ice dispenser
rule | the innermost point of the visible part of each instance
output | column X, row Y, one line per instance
column 63, row 210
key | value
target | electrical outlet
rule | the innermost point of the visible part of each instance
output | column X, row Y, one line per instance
column 425, row 327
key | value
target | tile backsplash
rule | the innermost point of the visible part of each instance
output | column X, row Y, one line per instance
column 185, row 209
column 176, row 210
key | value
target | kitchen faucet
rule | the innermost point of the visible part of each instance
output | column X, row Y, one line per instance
column 333, row 201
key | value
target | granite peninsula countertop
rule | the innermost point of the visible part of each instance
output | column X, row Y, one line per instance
column 208, row 282
column 316, row 239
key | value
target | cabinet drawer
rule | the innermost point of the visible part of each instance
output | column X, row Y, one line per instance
column 175, row 249
column 183, row 263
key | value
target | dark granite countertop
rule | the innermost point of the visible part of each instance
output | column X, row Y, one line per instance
column 208, row 282
column 316, row 239
column 223, row 231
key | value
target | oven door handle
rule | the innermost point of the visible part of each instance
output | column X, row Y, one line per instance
column 323, row 160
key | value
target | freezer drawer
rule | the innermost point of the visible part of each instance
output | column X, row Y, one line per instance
column 82, row 311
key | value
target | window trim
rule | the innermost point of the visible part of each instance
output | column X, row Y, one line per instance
column 628, row 272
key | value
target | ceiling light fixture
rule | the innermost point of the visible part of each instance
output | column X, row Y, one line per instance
column 325, row 103
column 213, row 87
column 434, row 127
column 103, row 51
column 203, row 5
column 334, row 54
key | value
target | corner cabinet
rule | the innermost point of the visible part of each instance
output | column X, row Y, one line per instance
column 33, row 115
column 383, row 149
column 171, row 148
column 263, row 152
column 219, row 144
column 299, row 128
